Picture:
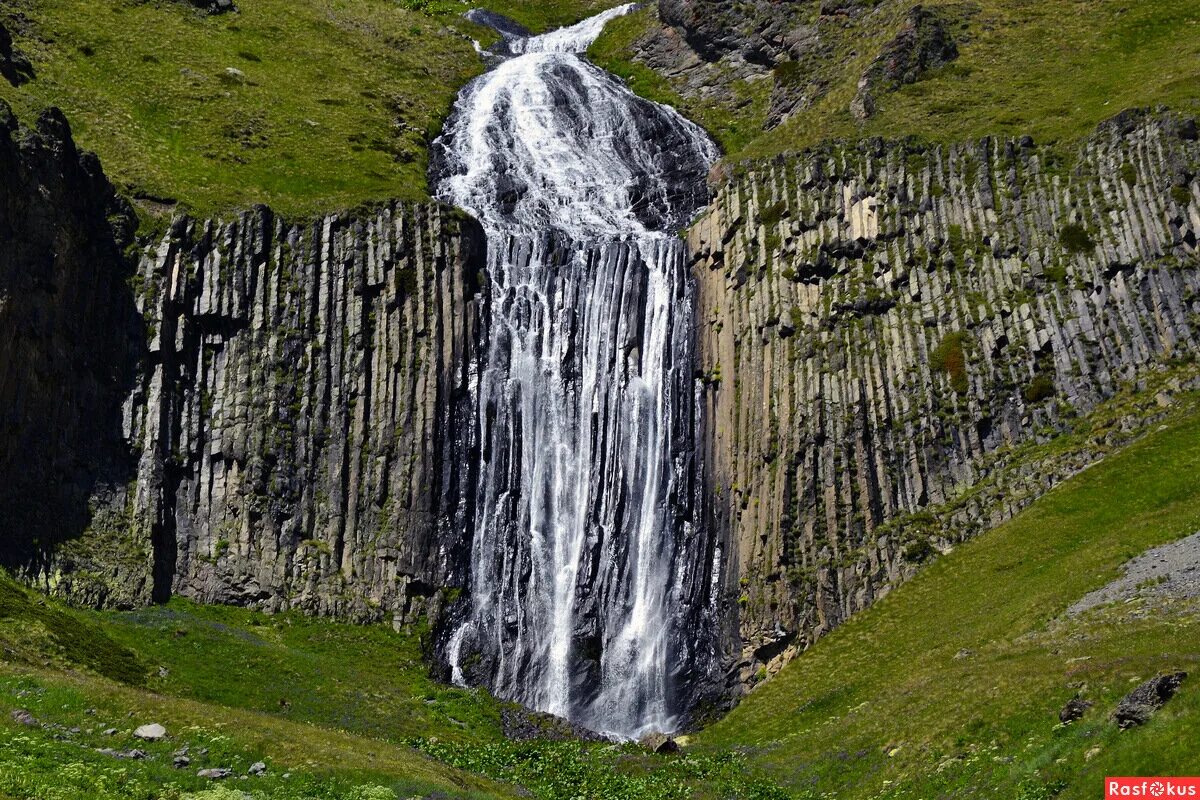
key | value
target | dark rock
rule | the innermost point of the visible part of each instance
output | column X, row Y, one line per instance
column 521, row 724
column 1139, row 705
column 1073, row 710
column 14, row 66
column 63, row 279
column 213, row 6
column 180, row 762
column 660, row 743
column 756, row 30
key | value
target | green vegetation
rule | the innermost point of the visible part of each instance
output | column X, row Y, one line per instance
column 1076, row 239
column 733, row 125
column 218, row 654
column 245, row 687
column 1050, row 69
column 304, row 105
column 1039, row 389
column 951, row 685
column 342, row 708
column 948, row 357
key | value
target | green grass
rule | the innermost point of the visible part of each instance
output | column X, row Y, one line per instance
column 366, row 679
column 951, row 685
column 734, row 125
column 1049, row 68
column 335, row 105
column 215, row 677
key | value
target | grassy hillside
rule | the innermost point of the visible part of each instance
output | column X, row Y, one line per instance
column 952, row 684
column 346, row 711
column 305, row 105
column 231, row 687
column 1048, row 68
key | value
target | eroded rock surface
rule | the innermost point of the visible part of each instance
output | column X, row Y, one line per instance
column 881, row 324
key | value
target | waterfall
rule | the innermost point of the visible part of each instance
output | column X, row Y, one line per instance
column 581, row 518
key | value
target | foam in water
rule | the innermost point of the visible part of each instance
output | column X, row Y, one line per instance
column 580, row 516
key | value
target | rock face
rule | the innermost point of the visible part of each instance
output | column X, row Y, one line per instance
column 758, row 30
column 257, row 412
column 71, row 336
column 295, row 416
column 881, row 324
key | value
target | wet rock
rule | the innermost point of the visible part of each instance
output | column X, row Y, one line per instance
column 1139, row 705
column 521, row 724
column 1073, row 710
column 660, row 743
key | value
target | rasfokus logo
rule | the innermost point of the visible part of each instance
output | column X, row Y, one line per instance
column 1151, row 787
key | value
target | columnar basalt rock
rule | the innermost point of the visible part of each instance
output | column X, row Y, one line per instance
column 881, row 325
column 70, row 336
column 296, row 418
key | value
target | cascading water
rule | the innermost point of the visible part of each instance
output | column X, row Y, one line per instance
column 584, row 564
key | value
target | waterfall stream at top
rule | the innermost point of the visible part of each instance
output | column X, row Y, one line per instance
column 581, row 511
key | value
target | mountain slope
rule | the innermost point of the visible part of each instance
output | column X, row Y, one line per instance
column 953, row 683
column 299, row 104
column 1051, row 70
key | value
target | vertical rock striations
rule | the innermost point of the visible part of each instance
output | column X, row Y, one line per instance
column 70, row 337
column 296, row 418
column 881, row 324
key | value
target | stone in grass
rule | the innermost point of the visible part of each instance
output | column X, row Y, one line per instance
column 23, row 717
column 151, row 733
column 1073, row 710
column 216, row 774
column 1137, row 706
column 660, row 743
column 257, row 768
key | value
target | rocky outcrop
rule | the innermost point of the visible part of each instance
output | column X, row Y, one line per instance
column 14, row 66
column 883, row 325
column 1138, row 706
column 296, row 413
column 254, row 411
column 71, row 336
column 923, row 43
column 758, row 31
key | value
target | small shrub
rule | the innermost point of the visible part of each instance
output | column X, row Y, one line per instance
column 1129, row 174
column 1181, row 195
column 950, row 358
column 1076, row 239
column 771, row 215
column 1040, row 388
column 919, row 550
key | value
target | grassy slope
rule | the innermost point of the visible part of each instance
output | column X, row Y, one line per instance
column 883, row 707
column 1049, row 68
column 214, row 677
column 336, row 107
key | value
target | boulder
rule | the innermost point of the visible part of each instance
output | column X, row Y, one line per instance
column 151, row 733
column 660, row 743
column 1139, row 705
column 1073, row 710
